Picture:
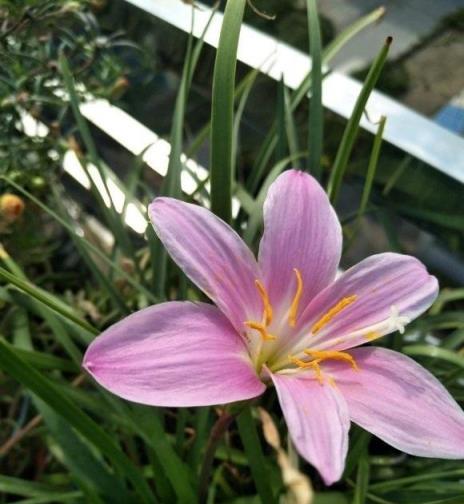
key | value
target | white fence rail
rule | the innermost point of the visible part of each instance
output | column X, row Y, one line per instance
column 413, row 133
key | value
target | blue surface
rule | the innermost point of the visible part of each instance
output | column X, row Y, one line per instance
column 452, row 118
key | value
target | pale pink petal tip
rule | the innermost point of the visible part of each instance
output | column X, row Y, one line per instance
column 318, row 421
column 211, row 254
column 402, row 403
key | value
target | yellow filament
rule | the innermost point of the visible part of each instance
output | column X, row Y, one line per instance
column 327, row 317
column 261, row 328
column 296, row 300
column 319, row 356
column 266, row 303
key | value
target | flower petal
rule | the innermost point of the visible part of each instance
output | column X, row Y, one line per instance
column 318, row 422
column 174, row 354
column 402, row 403
column 212, row 255
column 383, row 293
column 301, row 230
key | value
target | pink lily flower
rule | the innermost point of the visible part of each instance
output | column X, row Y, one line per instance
column 285, row 319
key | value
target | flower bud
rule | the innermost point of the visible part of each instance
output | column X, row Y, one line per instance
column 11, row 207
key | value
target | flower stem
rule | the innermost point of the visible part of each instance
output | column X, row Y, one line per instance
column 217, row 432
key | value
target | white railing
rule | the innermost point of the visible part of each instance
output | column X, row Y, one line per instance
column 413, row 133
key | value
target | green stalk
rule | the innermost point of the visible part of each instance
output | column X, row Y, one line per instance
column 222, row 110
column 316, row 122
column 254, row 453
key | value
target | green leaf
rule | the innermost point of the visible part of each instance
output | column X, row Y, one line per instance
column 175, row 470
column 171, row 185
column 112, row 218
column 47, row 361
column 81, row 461
column 435, row 353
column 372, row 167
column 26, row 488
column 352, row 128
column 47, row 299
column 222, row 110
column 362, row 481
column 270, row 142
column 316, row 112
column 18, row 369
column 254, row 453
column 369, row 179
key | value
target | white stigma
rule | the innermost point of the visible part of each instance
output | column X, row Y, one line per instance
column 396, row 321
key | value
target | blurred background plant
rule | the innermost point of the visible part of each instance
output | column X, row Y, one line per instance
column 72, row 264
column 33, row 33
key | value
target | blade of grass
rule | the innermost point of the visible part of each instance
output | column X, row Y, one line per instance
column 40, row 360
column 201, row 431
column 238, row 117
column 171, row 185
column 435, row 353
column 362, row 481
column 58, row 326
column 82, row 462
column 222, row 110
column 253, row 451
column 391, row 484
column 369, row 181
column 103, row 279
column 205, row 131
column 316, row 120
column 328, row 53
column 281, row 143
column 391, row 182
column 359, row 443
column 290, row 126
column 112, row 218
column 351, row 130
column 18, row 369
column 371, row 168
column 27, row 488
column 47, row 299
column 148, row 421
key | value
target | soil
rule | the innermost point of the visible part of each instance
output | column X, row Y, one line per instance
column 435, row 72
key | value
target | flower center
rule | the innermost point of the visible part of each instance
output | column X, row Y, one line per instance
column 266, row 321
column 318, row 356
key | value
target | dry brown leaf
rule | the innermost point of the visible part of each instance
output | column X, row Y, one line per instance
column 298, row 485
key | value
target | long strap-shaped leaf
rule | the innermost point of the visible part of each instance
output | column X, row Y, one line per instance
column 254, row 453
column 316, row 125
column 222, row 110
column 47, row 299
column 351, row 130
column 269, row 143
column 21, row 371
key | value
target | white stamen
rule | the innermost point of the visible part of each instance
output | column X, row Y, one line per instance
column 397, row 322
